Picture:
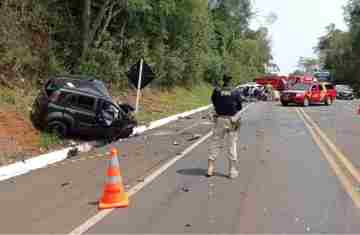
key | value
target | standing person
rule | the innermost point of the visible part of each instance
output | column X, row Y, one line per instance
column 227, row 104
column 269, row 88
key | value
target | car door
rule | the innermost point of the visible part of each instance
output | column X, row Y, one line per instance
column 82, row 109
column 315, row 93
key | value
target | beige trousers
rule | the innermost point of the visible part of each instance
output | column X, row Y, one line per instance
column 224, row 139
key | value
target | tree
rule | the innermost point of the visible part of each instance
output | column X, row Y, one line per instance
column 96, row 18
column 336, row 54
column 185, row 41
column 308, row 65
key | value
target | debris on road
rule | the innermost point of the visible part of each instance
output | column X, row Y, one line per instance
column 185, row 189
column 72, row 143
column 65, row 184
column 188, row 225
column 73, row 152
column 176, row 143
column 194, row 137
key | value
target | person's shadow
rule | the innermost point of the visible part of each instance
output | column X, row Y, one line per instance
column 198, row 172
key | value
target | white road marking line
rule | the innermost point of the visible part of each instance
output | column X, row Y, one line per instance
column 102, row 214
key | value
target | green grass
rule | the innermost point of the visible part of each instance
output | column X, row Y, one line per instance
column 48, row 140
column 177, row 101
column 7, row 96
column 19, row 99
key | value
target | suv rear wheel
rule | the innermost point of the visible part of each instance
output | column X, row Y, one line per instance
column 59, row 128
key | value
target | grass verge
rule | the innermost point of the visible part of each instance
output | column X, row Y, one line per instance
column 165, row 103
column 48, row 140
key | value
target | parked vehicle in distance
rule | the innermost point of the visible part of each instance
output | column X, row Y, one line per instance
column 323, row 76
column 344, row 92
column 305, row 94
column 81, row 105
column 252, row 91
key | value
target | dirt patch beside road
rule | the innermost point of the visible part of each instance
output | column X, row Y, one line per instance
column 17, row 136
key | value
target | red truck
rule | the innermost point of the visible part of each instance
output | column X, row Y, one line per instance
column 309, row 93
column 295, row 79
column 278, row 82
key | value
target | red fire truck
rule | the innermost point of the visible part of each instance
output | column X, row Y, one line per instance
column 278, row 82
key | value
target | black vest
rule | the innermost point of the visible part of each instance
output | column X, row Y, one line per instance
column 226, row 102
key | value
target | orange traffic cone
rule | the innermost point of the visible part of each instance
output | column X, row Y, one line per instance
column 114, row 194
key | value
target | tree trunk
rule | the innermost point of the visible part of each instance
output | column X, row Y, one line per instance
column 98, row 20
column 86, row 14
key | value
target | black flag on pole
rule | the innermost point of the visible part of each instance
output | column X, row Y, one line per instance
column 147, row 75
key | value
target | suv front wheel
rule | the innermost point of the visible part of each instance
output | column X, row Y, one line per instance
column 59, row 128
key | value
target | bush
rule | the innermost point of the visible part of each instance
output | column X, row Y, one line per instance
column 23, row 41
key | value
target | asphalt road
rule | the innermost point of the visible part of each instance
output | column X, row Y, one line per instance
column 299, row 171
column 286, row 185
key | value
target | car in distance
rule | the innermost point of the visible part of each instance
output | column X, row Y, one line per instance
column 305, row 94
column 344, row 92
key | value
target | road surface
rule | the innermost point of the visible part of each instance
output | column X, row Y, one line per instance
column 299, row 173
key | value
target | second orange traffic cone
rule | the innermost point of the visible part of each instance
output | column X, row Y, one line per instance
column 114, row 195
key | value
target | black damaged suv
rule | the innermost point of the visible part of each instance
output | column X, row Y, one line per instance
column 81, row 105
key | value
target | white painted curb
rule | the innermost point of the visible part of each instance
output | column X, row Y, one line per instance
column 24, row 167
column 164, row 121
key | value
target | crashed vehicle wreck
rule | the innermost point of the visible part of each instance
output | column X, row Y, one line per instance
column 78, row 105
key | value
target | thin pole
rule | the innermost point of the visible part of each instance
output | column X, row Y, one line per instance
column 139, row 86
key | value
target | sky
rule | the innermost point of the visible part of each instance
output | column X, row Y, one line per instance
column 299, row 25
